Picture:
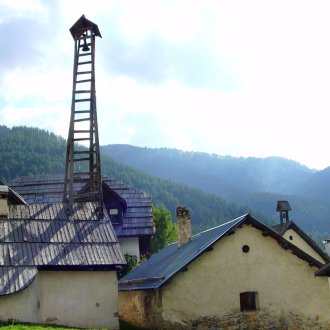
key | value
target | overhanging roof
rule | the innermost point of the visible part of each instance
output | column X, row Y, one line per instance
column 48, row 189
column 323, row 271
column 43, row 236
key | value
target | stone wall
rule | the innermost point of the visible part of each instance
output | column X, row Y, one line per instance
column 236, row 321
column 140, row 308
column 261, row 321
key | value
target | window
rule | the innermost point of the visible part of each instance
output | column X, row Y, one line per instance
column 114, row 215
column 249, row 301
column 245, row 248
column 39, row 198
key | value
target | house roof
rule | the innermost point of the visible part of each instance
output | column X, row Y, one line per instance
column 43, row 236
column 13, row 196
column 283, row 227
column 137, row 218
column 161, row 267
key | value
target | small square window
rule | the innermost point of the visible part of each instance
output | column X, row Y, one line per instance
column 39, row 198
column 113, row 211
column 249, row 301
column 114, row 215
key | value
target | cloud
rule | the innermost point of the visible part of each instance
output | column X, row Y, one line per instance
column 235, row 77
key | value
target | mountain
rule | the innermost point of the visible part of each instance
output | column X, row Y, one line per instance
column 223, row 175
column 254, row 182
column 32, row 151
column 215, row 188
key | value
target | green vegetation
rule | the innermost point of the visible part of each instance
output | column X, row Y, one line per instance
column 13, row 325
column 31, row 151
column 132, row 263
column 256, row 183
column 216, row 189
column 166, row 230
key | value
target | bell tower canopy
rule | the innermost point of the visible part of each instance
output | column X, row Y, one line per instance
column 283, row 207
column 84, row 24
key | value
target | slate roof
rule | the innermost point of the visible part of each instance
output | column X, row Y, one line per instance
column 13, row 196
column 42, row 236
column 137, row 219
column 282, row 228
column 161, row 267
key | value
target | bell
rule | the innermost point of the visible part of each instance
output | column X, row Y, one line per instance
column 85, row 47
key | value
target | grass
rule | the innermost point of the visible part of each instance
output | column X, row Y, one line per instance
column 13, row 325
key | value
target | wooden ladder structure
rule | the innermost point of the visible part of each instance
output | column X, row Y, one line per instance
column 83, row 181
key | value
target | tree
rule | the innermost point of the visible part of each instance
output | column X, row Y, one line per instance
column 166, row 230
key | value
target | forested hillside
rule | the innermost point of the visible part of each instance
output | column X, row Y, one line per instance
column 31, row 151
column 253, row 182
column 222, row 175
column 240, row 182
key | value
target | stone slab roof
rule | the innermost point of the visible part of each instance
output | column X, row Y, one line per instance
column 42, row 236
column 137, row 219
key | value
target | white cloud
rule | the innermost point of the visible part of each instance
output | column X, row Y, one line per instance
column 235, row 77
column 10, row 9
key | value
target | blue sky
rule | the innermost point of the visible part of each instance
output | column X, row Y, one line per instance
column 240, row 78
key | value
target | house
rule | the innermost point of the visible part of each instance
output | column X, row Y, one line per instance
column 50, row 261
column 241, row 274
column 129, row 209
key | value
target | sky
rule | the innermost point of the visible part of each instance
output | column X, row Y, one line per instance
column 240, row 78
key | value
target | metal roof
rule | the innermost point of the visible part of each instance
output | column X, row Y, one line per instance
column 161, row 267
column 43, row 236
column 137, row 218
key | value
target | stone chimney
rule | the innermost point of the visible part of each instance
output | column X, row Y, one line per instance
column 183, row 223
column 3, row 202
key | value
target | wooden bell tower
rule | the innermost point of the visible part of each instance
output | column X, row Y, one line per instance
column 83, row 181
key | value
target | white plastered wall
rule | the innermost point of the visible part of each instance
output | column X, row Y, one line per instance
column 294, row 238
column 130, row 246
column 22, row 305
column 213, row 282
column 77, row 298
